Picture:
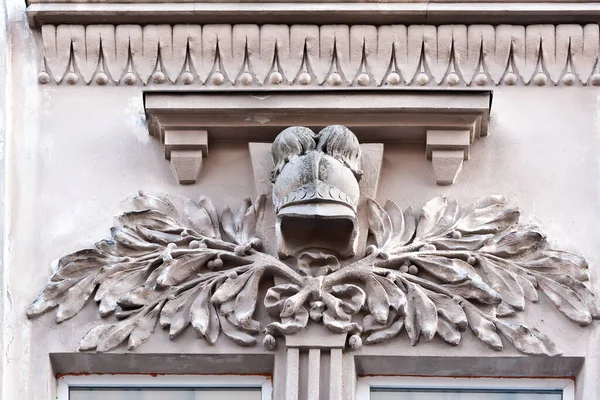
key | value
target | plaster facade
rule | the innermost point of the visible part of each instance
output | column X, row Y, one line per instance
column 75, row 154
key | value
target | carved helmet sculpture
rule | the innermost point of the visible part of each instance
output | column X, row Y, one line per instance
column 316, row 190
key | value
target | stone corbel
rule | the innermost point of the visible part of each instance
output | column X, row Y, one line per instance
column 186, row 150
column 449, row 122
column 447, row 149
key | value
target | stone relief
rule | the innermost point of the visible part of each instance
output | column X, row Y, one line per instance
column 175, row 262
column 329, row 56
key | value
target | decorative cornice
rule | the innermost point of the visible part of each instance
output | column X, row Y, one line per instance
column 436, row 12
column 324, row 57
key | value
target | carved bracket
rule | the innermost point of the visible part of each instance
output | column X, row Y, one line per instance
column 186, row 149
column 445, row 121
column 447, row 150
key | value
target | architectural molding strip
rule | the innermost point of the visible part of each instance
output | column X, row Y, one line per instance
column 349, row 12
column 249, row 56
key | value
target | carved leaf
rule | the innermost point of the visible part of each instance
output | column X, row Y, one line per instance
column 241, row 227
column 448, row 331
column 469, row 243
column 245, row 302
column 450, row 270
column 566, row 300
column 144, row 201
column 230, row 288
column 380, row 224
column 421, row 314
column 115, row 286
column 386, row 333
column 585, row 294
column 503, row 282
column 390, row 227
column 183, row 268
column 488, row 215
column 437, row 217
column 513, row 243
column 199, row 219
column 50, row 297
column 76, row 297
column 150, row 219
column 239, row 337
column 204, row 318
column 182, row 315
column 555, row 262
column 81, row 263
column 377, row 300
column 144, row 328
column 449, row 309
column 475, row 289
column 116, row 335
column 91, row 338
column 208, row 206
column 527, row 340
column 482, row 327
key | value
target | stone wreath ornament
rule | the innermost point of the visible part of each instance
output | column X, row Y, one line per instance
column 176, row 262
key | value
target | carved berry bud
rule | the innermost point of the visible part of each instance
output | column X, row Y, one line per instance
column 71, row 78
column 371, row 249
column 404, row 269
column 355, row 342
column 195, row 244
column 393, row 78
column 456, row 234
column 428, row 247
column 159, row 77
column 413, row 270
column 210, row 265
column 187, row 78
column 240, row 250
column 217, row 78
column 43, row 78
column 269, row 342
column 101, row 78
column 304, row 78
column 422, row 79
column 255, row 243
column 171, row 246
column 217, row 263
column 231, row 274
column 130, row 79
column 471, row 260
column 276, row 78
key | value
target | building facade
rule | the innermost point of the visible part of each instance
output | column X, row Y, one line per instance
column 291, row 200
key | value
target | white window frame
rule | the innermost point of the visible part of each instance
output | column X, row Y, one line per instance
column 364, row 385
column 64, row 383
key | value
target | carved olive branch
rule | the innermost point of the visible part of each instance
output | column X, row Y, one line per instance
column 176, row 263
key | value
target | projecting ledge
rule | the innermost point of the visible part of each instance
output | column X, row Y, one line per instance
column 447, row 121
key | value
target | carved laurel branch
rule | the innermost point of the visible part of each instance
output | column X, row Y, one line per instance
column 167, row 263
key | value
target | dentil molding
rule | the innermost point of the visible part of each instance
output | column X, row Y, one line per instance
column 250, row 56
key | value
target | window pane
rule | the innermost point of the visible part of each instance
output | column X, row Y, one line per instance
column 387, row 394
column 164, row 394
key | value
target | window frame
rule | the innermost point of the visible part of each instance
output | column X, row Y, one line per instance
column 66, row 382
column 365, row 384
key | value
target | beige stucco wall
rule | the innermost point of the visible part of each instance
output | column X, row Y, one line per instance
column 74, row 155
